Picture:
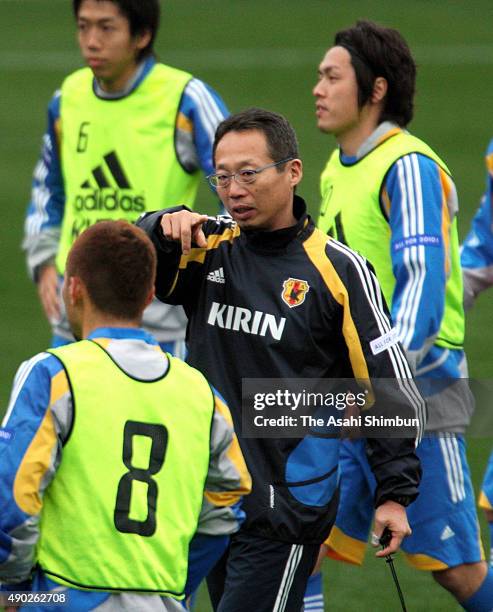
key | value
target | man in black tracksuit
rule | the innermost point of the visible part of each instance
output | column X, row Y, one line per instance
column 270, row 296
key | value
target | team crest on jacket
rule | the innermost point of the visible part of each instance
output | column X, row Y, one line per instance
column 294, row 291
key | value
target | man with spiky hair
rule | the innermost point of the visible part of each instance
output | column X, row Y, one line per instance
column 105, row 455
column 126, row 134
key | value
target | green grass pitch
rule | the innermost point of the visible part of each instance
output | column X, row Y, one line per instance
column 262, row 53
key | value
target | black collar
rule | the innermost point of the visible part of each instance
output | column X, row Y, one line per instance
column 279, row 239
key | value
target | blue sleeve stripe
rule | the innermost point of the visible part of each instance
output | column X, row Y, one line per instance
column 211, row 105
column 208, row 110
column 409, row 179
column 40, row 197
column 435, row 364
column 477, row 250
column 47, row 152
column 47, row 195
column 19, row 380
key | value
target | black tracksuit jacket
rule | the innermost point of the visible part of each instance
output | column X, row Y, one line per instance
column 241, row 327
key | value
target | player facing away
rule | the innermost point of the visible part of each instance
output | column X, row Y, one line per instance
column 109, row 444
column 229, row 274
column 389, row 196
column 126, row 134
column 477, row 271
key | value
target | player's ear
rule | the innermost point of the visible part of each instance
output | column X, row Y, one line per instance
column 380, row 87
column 75, row 289
column 143, row 39
column 150, row 296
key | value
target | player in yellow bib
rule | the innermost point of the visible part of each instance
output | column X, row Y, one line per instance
column 388, row 195
column 106, row 453
column 126, row 134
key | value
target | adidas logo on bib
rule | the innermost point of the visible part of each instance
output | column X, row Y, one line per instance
column 108, row 189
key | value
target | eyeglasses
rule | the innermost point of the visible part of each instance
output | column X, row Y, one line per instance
column 242, row 177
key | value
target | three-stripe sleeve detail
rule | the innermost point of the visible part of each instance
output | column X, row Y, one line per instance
column 209, row 113
column 40, row 197
column 24, row 370
column 453, row 468
column 409, row 179
column 400, row 366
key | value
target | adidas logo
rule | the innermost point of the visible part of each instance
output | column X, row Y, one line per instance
column 110, row 177
column 217, row 276
column 447, row 533
column 116, row 172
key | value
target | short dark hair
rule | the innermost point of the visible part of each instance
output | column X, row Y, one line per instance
column 280, row 136
column 377, row 51
column 116, row 261
column 142, row 15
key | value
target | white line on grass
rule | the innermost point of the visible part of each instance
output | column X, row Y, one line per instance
column 234, row 59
